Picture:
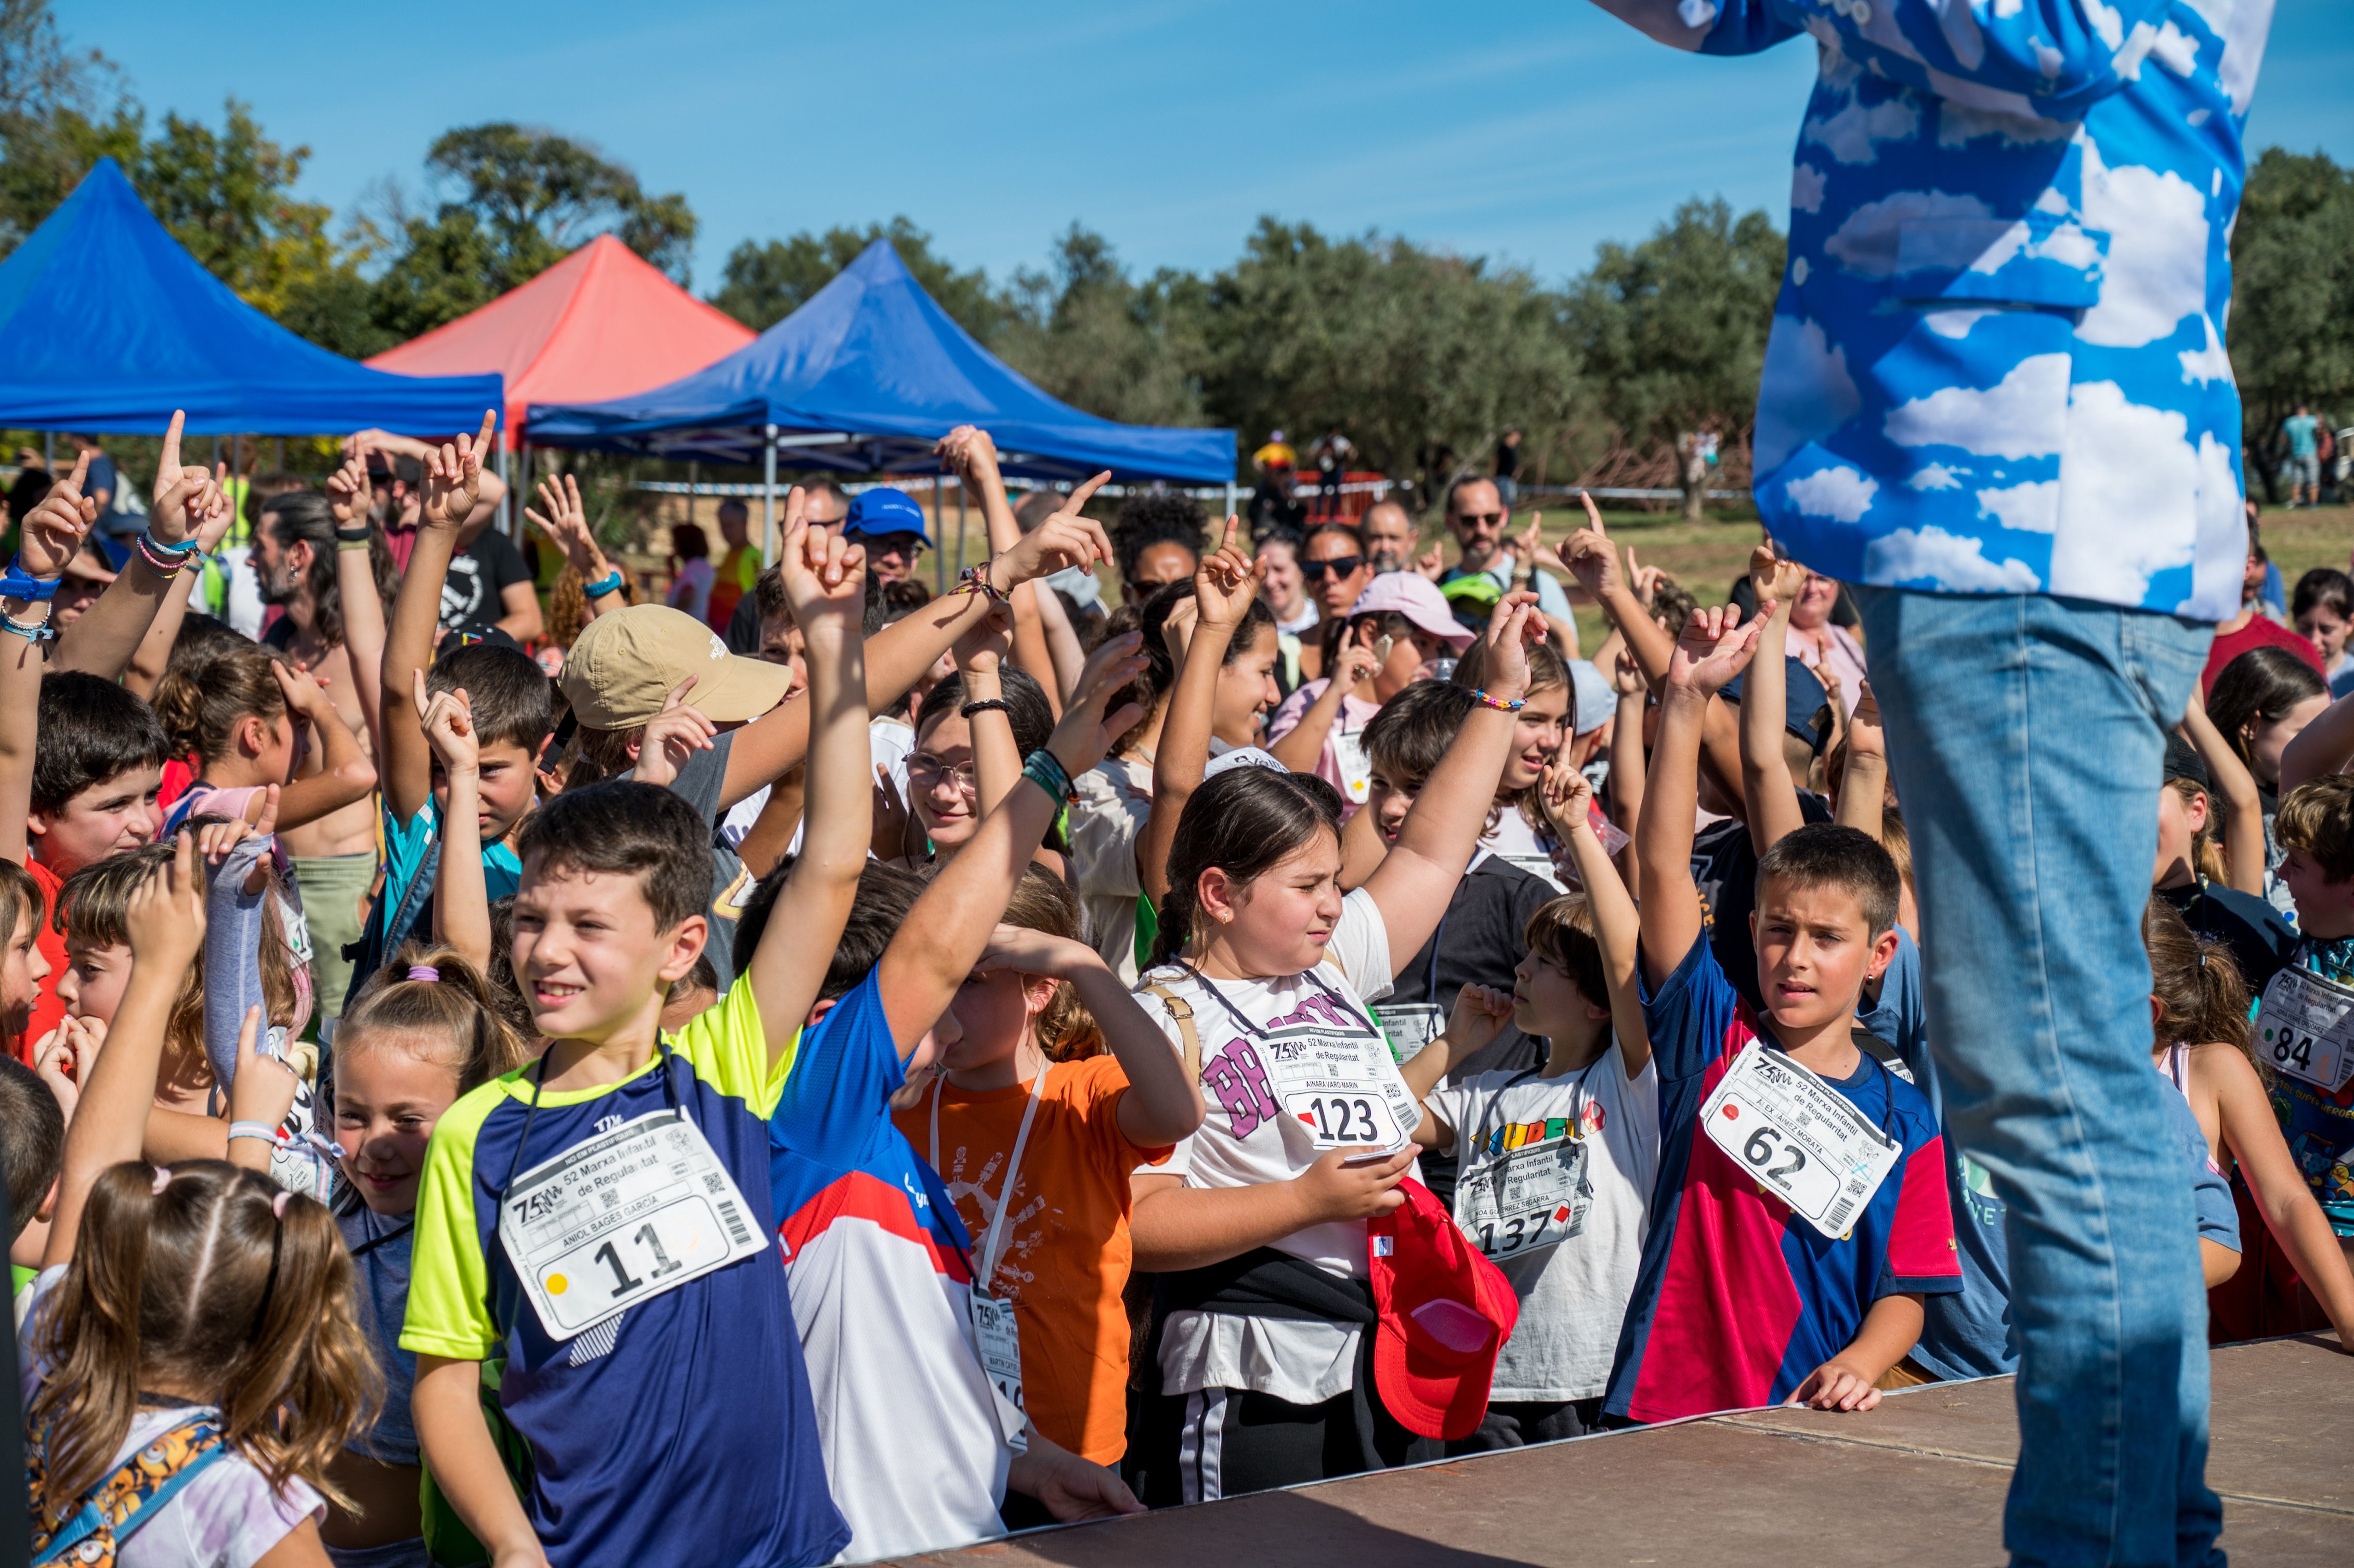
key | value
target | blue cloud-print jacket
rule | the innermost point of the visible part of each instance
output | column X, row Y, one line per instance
column 1996, row 363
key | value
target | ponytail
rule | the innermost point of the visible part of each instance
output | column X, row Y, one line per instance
column 208, row 1277
column 202, row 702
column 444, row 1009
column 1244, row 822
column 2201, row 999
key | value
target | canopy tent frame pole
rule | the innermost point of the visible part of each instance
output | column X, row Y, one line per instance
column 960, row 524
column 510, row 514
column 769, row 498
column 694, row 486
column 940, row 557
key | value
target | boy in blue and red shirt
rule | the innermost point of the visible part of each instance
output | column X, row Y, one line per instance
column 1742, row 1299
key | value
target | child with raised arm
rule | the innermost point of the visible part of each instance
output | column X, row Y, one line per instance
column 1556, row 1161
column 914, row 1362
column 644, row 1351
column 1261, row 974
column 1796, row 1171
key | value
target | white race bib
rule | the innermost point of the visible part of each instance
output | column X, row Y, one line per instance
column 998, row 1341
column 1409, row 1026
column 2306, row 1028
column 1356, row 766
column 622, row 1218
column 1342, row 1085
column 1801, row 1138
column 1538, row 867
column 1525, row 1199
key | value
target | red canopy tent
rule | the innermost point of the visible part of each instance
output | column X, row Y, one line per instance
column 600, row 323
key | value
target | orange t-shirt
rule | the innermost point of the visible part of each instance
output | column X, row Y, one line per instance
column 48, row 1010
column 1066, row 1259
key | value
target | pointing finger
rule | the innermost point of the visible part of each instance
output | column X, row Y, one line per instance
column 1084, row 492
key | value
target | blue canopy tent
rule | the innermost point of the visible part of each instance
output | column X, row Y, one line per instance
column 864, row 378
column 107, row 324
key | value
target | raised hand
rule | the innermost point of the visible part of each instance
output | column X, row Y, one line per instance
column 350, row 496
column 1532, row 551
column 1773, row 578
column 969, row 452
column 453, row 475
column 984, row 646
column 1513, row 626
column 211, row 513
column 1479, row 1015
column 1567, row 796
column 671, row 735
column 448, row 720
column 164, row 917
column 565, row 522
column 1354, row 662
column 1643, row 580
column 1627, row 675
column 53, row 530
column 1431, row 564
column 824, row 575
column 175, row 486
column 263, row 1090
column 1589, row 554
column 1226, row 582
column 1086, row 734
column 1065, row 539
column 1864, row 736
column 306, row 694
column 1715, row 646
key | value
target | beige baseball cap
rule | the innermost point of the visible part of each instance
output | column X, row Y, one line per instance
column 624, row 664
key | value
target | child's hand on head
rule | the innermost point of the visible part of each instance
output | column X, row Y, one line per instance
column 453, row 475
column 1226, row 582
column 1479, row 1014
column 1064, row 539
column 1029, row 952
column 164, row 917
column 1715, row 646
column 671, row 735
column 1835, row 1386
column 1086, row 734
column 305, row 692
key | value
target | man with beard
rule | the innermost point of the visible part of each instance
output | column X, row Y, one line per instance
column 489, row 583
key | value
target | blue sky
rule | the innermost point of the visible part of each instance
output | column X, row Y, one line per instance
column 1521, row 131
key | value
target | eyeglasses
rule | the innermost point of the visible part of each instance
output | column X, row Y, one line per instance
column 909, row 544
column 925, row 771
column 1342, row 565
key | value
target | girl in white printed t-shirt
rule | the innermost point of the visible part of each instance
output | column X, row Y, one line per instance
column 1262, row 971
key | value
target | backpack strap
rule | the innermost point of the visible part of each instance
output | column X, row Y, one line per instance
column 1881, row 1050
column 117, row 1506
column 1183, row 1012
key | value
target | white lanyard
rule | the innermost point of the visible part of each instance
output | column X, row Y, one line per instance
column 993, row 1245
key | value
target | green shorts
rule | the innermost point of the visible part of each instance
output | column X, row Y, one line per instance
column 335, row 898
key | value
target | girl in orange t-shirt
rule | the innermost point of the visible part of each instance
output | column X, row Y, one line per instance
column 1027, row 1121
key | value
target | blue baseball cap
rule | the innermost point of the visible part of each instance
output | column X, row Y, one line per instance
column 1803, row 696
column 885, row 510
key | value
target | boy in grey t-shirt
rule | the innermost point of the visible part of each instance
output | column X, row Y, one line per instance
column 1556, row 1161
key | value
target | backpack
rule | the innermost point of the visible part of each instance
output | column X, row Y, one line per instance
column 94, row 1534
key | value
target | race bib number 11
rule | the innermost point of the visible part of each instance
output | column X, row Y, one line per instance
column 1799, row 1138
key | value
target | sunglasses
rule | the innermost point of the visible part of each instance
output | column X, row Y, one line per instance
column 1342, row 565
column 1482, row 519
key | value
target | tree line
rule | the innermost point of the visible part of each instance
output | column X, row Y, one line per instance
column 1422, row 356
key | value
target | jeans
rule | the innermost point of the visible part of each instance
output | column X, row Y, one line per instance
column 2026, row 735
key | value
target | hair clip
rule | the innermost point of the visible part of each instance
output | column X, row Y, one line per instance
column 425, row 972
column 163, row 1179
column 278, row 1205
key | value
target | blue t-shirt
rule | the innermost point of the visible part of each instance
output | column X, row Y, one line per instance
column 1965, row 1333
column 406, row 847
column 2302, row 432
column 2318, row 1125
column 2210, row 1195
column 379, row 1247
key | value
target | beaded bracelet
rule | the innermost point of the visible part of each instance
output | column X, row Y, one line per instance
column 1513, row 706
column 30, row 630
column 975, row 580
column 1045, row 769
column 609, row 583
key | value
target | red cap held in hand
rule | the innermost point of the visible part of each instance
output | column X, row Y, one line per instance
column 1445, row 1311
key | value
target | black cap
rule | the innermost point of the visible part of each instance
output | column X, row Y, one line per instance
column 1803, row 696
column 2182, row 761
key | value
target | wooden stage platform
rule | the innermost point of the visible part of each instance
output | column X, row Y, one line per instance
column 1920, row 1481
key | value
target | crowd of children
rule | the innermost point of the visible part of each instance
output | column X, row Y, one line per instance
column 982, row 1060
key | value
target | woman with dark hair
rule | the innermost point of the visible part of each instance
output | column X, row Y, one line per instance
column 2260, row 702
column 2323, row 610
column 1156, row 539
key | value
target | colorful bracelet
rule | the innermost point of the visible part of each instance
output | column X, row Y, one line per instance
column 30, row 630
column 21, row 584
column 260, row 1130
column 609, row 583
column 975, row 580
column 1513, row 706
column 184, row 547
column 163, row 560
column 1045, row 769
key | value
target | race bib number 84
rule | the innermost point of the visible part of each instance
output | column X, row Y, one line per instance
column 2306, row 1028
column 1799, row 1138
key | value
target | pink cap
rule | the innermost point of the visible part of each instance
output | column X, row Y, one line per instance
column 1417, row 598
